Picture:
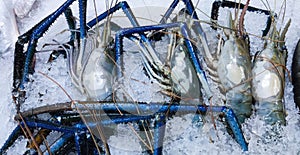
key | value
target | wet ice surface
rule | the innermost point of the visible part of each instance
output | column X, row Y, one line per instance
column 181, row 136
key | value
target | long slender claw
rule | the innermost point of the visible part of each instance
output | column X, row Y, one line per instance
column 65, row 138
column 82, row 18
column 39, row 30
column 159, row 133
column 146, row 112
column 235, row 127
column 230, row 4
column 158, row 108
column 11, row 139
column 24, row 62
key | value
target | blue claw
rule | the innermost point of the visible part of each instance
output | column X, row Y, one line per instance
column 235, row 127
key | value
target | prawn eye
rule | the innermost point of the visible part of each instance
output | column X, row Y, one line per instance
column 283, row 49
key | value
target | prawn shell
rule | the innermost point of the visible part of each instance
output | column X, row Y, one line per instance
column 268, row 84
column 234, row 70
